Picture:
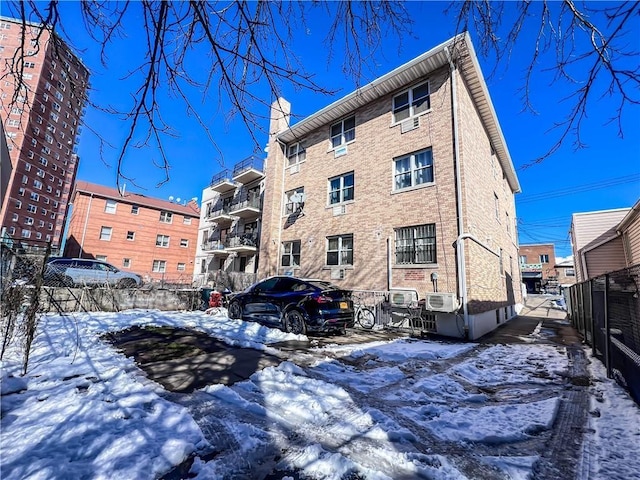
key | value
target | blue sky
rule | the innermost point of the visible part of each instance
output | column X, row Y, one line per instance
column 603, row 176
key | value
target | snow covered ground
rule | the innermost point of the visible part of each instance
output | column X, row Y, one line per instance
column 383, row 410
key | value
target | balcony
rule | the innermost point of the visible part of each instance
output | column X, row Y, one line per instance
column 215, row 247
column 247, row 209
column 248, row 170
column 220, row 214
column 222, row 182
column 243, row 243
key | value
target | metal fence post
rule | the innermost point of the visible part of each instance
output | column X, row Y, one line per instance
column 593, row 320
column 607, row 343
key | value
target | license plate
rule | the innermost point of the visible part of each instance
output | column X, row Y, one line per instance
column 344, row 305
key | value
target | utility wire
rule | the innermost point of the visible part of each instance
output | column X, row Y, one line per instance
column 635, row 178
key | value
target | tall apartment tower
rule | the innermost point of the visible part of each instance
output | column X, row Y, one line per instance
column 41, row 117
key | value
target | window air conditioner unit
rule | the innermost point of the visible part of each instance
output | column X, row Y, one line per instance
column 409, row 124
column 294, row 168
column 339, row 210
column 337, row 274
column 441, row 302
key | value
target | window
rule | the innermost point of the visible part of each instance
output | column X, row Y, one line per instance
column 412, row 102
column 27, row 167
column 295, row 154
column 203, row 266
column 186, row 220
column 29, row 65
column 570, row 272
column 28, row 221
column 105, row 233
column 13, row 123
column 414, row 169
column 32, row 208
column 166, row 217
column 496, row 203
column 14, row 217
column 131, row 235
column 34, row 196
column 523, row 259
column 21, row 192
column 343, row 132
column 159, row 266
column 341, row 189
column 544, row 258
column 181, row 267
column 102, row 258
column 340, row 250
column 508, row 223
column 110, row 206
column 26, row 233
column 293, row 200
column 43, row 161
column 126, row 262
column 416, row 245
column 162, row 241
column 134, row 209
column 12, row 230
column 184, row 242
column 290, row 254
column 18, row 204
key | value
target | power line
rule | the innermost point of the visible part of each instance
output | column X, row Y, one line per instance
column 634, row 178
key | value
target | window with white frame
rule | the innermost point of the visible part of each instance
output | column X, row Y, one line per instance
column 341, row 189
column 186, row 220
column 12, row 230
column 544, row 258
column 15, row 217
column 182, row 267
column 34, row 196
column 105, row 233
column 413, row 102
column 292, row 200
column 340, row 250
column 28, row 221
column 295, row 153
column 570, row 272
column 134, row 209
column 131, row 235
column 18, row 204
column 110, row 206
column 416, row 244
column 21, row 192
column 290, row 254
column 102, row 258
column 32, row 208
column 159, row 266
column 126, row 262
column 184, row 242
column 166, row 217
column 413, row 169
column 162, row 240
column 26, row 233
column 343, row 132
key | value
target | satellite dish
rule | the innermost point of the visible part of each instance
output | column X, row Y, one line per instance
column 178, row 200
column 171, row 198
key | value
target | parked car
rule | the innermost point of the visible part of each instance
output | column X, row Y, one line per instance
column 295, row 305
column 71, row 272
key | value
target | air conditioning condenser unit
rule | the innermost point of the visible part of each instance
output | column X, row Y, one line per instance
column 441, row 302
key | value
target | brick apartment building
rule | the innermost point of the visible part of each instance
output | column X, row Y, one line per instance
column 405, row 183
column 151, row 237
column 229, row 225
column 538, row 267
column 41, row 121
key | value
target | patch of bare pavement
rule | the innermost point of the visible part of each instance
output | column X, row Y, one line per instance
column 184, row 361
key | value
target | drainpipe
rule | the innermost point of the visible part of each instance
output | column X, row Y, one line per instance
column 389, row 270
column 84, row 228
column 460, row 256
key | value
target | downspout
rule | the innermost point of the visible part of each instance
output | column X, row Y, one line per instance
column 460, row 256
column 84, row 228
column 279, row 244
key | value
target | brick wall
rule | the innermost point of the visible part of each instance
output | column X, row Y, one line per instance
column 89, row 216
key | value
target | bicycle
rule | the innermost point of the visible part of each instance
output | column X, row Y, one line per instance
column 364, row 315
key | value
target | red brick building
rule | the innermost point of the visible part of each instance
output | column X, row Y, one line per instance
column 41, row 119
column 151, row 237
column 538, row 266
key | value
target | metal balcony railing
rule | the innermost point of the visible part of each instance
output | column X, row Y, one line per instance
column 214, row 245
column 252, row 162
column 219, row 209
column 224, row 175
column 253, row 202
column 244, row 239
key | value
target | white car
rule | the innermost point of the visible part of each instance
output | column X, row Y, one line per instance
column 69, row 272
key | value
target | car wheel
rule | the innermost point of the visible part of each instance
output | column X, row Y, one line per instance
column 127, row 283
column 294, row 323
column 235, row 310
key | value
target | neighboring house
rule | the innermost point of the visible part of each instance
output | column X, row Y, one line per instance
column 229, row 230
column 629, row 229
column 537, row 265
column 566, row 273
column 42, row 128
column 405, row 183
column 151, row 237
column 597, row 242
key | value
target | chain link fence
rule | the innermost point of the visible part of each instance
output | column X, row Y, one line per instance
column 606, row 311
